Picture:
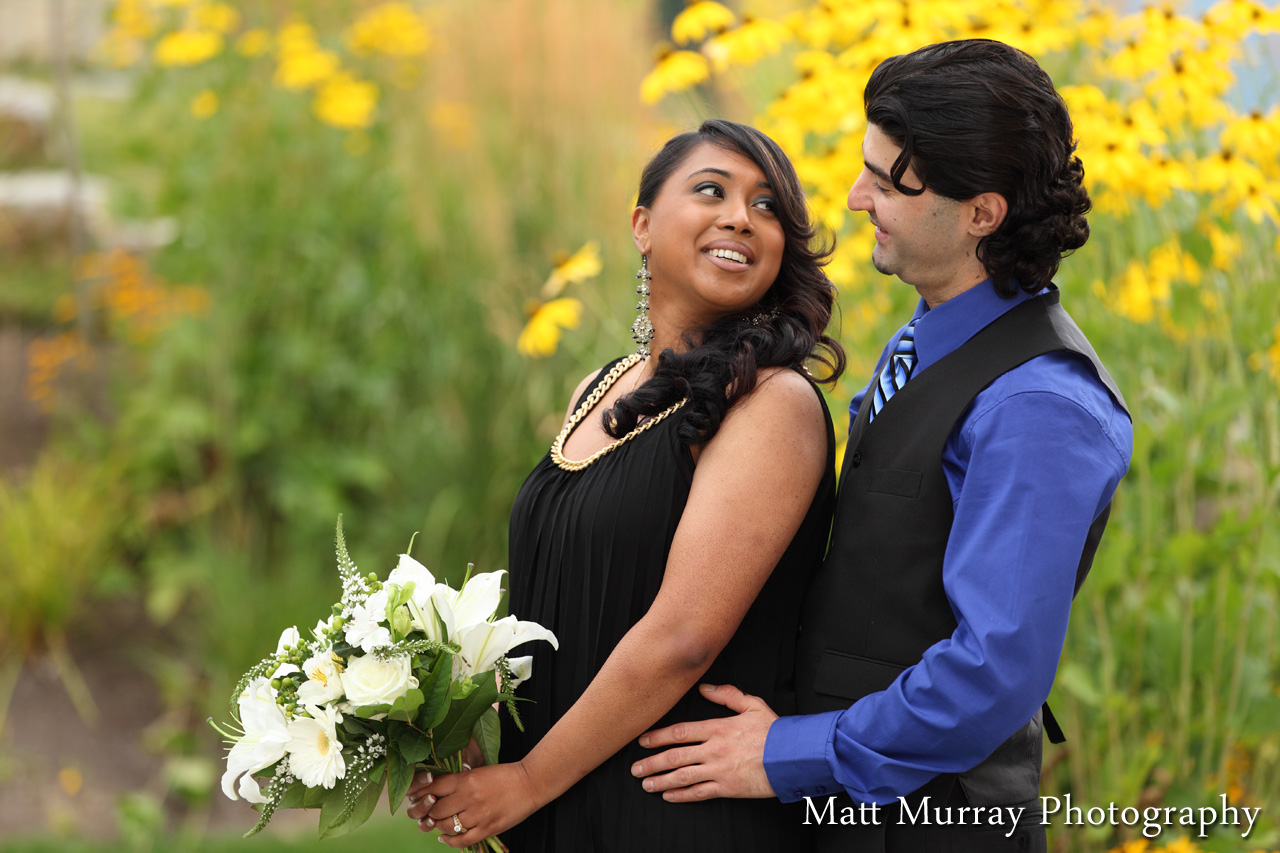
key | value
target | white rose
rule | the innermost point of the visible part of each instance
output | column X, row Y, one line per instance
column 369, row 681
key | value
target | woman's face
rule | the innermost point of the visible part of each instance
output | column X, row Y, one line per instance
column 713, row 239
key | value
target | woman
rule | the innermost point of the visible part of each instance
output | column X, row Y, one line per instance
column 671, row 531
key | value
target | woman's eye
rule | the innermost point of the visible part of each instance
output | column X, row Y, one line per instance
column 709, row 189
column 767, row 204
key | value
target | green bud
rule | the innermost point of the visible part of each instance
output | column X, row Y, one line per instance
column 373, row 576
column 336, row 609
column 338, row 623
column 275, row 684
column 280, row 700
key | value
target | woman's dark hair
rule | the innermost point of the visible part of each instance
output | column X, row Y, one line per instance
column 786, row 328
column 975, row 116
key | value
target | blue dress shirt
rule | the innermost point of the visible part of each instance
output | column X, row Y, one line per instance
column 1030, row 464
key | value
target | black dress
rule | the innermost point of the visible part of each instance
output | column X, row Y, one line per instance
column 587, row 553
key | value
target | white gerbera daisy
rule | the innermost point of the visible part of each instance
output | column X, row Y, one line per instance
column 315, row 753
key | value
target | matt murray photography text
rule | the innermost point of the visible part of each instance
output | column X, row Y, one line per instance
column 1053, row 810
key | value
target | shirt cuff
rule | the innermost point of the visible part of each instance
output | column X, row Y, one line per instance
column 797, row 754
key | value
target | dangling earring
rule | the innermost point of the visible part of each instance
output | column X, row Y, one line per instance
column 642, row 328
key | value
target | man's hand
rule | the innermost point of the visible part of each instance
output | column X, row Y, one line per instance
column 726, row 758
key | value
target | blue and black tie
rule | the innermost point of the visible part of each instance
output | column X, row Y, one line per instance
column 896, row 371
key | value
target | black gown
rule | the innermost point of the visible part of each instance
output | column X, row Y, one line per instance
column 587, row 555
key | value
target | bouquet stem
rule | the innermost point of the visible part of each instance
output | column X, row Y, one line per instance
column 493, row 843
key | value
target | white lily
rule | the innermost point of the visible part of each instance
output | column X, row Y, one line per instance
column 521, row 670
column 482, row 644
column 315, row 753
column 478, row 599
column 289, row 638
column 263, row 743
column 410, row 570
column 436, row 619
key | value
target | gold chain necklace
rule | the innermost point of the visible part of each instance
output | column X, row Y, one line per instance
column 557, row 446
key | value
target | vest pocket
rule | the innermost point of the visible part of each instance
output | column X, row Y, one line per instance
column 890, row 481
column 852, row 676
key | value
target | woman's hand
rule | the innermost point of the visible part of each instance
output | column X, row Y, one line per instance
column 485, row 802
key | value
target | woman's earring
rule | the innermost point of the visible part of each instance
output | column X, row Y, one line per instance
column 642, row 328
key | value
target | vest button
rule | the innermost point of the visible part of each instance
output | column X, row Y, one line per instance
column 857, row 459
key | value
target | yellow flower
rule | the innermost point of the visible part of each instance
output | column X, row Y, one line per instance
column 392, row 29
column 578, row 267
column 303, row 63
column 1226, row 246
column 204, row 104
column 343, row 101
column 188, row 47
column 1182, row 845
column 699, row 20
column 747, row 44
column 676, row 71
column 1257, row 134
column 254, row 43
column 216, row 16
column 1139, row 845
column 541, row 335
column 134, row 19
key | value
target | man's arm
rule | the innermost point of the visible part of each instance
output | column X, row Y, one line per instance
column 1035, row 469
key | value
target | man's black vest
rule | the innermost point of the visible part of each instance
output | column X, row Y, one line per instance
column 878, row 602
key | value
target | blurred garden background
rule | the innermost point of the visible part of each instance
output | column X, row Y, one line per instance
column 265, row 263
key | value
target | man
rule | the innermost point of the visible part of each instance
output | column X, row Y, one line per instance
column 978, row 476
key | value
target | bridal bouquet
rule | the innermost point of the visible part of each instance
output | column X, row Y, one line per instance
column 403, row 673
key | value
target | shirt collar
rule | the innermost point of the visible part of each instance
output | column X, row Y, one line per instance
column 942, row 330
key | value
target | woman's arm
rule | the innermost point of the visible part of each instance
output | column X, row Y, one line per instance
column 751, row 489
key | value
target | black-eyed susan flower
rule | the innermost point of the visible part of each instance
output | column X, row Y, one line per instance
column 390, row 29
column 676, row 71
column 218, row 17
column 187, row 47
column 253, row 43
column 747, row 44
column 572, row 269
column 541, row 335
column 700, row 19
column 303, row 63
column 346, row 102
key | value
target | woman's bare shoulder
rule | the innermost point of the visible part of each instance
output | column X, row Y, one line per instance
column 786, row 394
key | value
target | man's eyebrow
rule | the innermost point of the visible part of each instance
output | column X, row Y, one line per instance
column 726, row 175
column 876, row 170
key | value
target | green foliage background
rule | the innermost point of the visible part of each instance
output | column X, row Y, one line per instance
column 358, row 357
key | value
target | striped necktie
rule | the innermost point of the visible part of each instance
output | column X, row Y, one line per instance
column 896, row 371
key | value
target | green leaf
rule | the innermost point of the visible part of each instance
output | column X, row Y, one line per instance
column 436, row 705
column 293, row 797
column 403, row 709
column 488, row 733
column 399, row 775
column 335, row 819
column 314, row 798
column 455, row 731
column 413, row 745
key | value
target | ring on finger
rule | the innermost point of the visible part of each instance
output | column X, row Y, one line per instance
column 458, row 828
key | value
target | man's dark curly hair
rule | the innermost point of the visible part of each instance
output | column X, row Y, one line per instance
column 720, row 362
column 975, row 116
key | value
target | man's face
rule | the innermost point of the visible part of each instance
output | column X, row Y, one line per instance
column 923, row 239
